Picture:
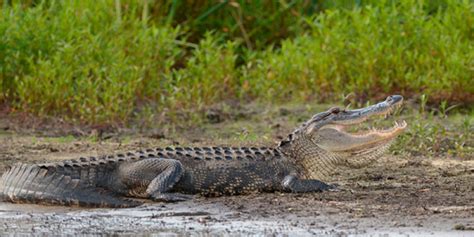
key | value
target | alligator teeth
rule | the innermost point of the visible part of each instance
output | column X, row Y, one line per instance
column 401, row 124
column 404, row 123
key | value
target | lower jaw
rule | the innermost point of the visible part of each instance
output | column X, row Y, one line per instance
column 366, row 146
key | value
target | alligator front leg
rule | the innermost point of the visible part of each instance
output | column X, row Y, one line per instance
column 291, row 183
column 153, row 178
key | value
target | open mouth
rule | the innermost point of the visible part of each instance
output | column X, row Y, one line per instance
column 375, row 125
column 362, row 128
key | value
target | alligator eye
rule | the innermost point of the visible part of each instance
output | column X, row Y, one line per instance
column 335, row 110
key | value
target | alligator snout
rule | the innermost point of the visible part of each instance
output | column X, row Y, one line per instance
column 393, row 99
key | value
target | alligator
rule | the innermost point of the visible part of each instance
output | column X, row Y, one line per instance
column 300, row 163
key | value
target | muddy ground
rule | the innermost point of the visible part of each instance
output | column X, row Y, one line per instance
column 400, row 195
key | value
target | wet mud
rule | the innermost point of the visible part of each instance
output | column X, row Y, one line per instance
column 399, row 195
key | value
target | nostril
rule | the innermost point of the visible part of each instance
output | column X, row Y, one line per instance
column 395, row 98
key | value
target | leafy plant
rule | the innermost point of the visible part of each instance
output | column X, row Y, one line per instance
column 104, row 61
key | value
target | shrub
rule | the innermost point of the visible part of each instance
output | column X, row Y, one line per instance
column 209, row 75
column 373, row 51
column 99, row 61
column 74, row 59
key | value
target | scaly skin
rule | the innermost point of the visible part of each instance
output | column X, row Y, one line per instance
column 299, row 163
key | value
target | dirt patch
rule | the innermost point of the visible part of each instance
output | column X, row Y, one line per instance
column 399, row 194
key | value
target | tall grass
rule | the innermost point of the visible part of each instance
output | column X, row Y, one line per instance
column 208, row 76
column 74, row 59
column 374, row 51
column 99, row 61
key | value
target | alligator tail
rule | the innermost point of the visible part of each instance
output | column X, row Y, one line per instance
column 26, row 183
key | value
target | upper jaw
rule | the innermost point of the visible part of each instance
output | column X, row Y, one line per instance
column 355, row 116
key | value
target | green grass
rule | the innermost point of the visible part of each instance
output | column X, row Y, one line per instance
column 115, row 61
column 430, row 135
column 373, row 51
column 87, row 67
column 61, row 139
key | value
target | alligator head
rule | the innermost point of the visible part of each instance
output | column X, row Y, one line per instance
column 322, row 144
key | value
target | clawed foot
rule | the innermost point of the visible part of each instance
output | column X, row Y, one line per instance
column 334, row 188
column 171, row 197
column 338, row 188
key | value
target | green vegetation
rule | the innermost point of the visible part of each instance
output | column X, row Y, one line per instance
column 374, row 51
column 437, row 135
column 108, row 61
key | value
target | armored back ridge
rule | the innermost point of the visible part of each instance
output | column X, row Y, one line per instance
column 300, row 163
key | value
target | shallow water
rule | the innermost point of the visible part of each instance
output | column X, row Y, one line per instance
column 203, row 217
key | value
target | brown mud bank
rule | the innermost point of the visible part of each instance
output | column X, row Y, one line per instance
column 399, row 195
